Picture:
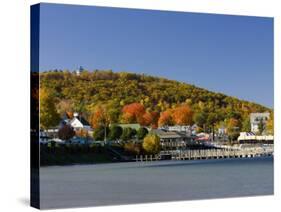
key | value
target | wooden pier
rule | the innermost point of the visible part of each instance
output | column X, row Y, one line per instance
column 204, row 154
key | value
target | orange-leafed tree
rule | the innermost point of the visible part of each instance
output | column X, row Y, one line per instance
column 146, row 119
column 165, row 118
column 99, row 117
column 133, row 113
column 183, row 115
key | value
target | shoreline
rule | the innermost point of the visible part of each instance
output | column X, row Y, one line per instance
column 163, row 162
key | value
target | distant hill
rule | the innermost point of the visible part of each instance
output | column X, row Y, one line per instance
column 84, row 91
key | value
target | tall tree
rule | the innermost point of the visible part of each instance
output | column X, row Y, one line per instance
column 100, row 117
column 246, row 125
column 183, row 115
column 165, row 118
column 133, row 113
column 100, row 133
column 261, row 127
column 200, row 118
column 212, row 119
column 49, row 116
column 232, row 128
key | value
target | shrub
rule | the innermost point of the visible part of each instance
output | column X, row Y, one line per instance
column 151, row 144
column 142, row 132
column 115, row 132
column 132, row 148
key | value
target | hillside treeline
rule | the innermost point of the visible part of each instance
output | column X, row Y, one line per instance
column 122, row 97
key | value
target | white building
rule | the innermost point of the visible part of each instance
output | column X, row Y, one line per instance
column 78, row 122
column 256, row 118
column 251, row 137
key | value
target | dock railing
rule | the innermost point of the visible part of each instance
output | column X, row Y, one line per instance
column 203, row 154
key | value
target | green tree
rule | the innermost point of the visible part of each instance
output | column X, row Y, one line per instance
column 128, row 133
column 261, row 127
column 246, row 125
column 212, row 119
column 115, row 132
column 151, row 144
column 100, row 133
column 141, row 133
column 200, row 118
column 49, row 117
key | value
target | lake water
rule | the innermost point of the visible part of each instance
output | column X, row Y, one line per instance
column 136, row 182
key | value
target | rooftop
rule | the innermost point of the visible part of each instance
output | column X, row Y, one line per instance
column 168, row 134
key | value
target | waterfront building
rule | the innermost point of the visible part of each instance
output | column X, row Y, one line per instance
column 256, row 118
column 250, row 137
column 172, row 139
column 187, row 129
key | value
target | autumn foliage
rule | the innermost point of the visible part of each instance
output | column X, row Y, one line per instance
column 100, row 117
column 133, row 112
column 107, row 97
column 182, row 115
column 151, row 144
column 165, row 118
column 136, row 113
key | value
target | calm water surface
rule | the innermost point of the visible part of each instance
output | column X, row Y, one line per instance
column 127, row 183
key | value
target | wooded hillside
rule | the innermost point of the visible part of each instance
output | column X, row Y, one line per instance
column 161, row 101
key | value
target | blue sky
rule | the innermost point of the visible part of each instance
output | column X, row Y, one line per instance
column 227, row 54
